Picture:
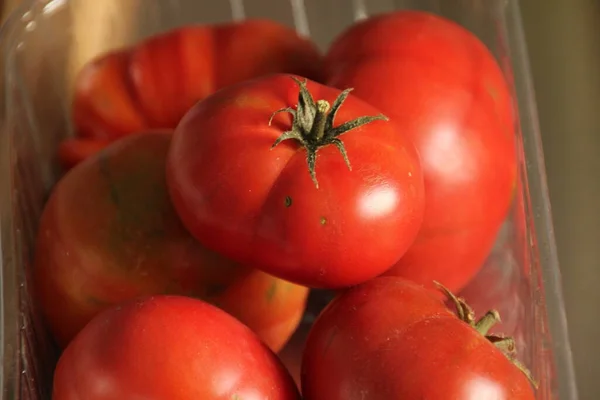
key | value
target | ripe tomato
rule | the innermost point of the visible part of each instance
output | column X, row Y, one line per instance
column 109, row 233
column 271, row 307
column 444, row 89
column 392, row 339
column 152, row 84
column 246, row 192
column 169, row 348
column 74, row 150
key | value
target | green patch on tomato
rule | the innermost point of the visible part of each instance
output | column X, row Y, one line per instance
column 271, row 291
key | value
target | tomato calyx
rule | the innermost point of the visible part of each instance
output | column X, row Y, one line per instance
column 483, row 325
column 312, row 125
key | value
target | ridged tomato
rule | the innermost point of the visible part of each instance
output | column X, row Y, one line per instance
column 153, row 83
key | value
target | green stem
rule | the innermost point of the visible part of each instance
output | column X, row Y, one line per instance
column 486, row 322
column 318, row 128
column 312, row 126
column 505, row 344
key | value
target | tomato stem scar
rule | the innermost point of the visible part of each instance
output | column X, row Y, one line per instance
column 505, row 344
column 312, row 125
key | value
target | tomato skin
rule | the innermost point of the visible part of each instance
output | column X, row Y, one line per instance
column 271, row 307
column 169, row 348
column 258, row 205
column 392, row 339
column 72, row 151
column 442, row 87
column 152, row 85
column 109, row 233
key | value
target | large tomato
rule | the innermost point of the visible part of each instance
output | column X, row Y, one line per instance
column 443, row 89
column 109, row 233
column 152, row 84
column 169, row 348
column 392, row 339
column 336, row 204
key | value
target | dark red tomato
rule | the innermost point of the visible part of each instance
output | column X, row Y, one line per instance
column 297, row 209
column 392, row 339
column 443, row 88
column 109, row 233
column 72, row 151
column 153, row 84
column 271, row 307
column 169, row 348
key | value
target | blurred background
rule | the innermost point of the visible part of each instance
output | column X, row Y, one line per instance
column 564, row 47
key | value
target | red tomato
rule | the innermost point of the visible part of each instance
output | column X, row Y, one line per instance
column 246, row 192
column 109, row 233
column 444, row 89
column 169, row 348
column 391, row 339
column 72, row 151
column 153, row 84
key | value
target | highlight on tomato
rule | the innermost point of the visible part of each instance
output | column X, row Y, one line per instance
column 153, row 83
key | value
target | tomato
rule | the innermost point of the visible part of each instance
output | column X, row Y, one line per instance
column 319, row 209
column 444, row 89
column 392, row 339
column 152, row 84
column 271, row 307
column 72, row 151
column 169, row 348
column 109, row 233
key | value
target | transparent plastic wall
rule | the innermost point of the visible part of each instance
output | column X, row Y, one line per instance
column 44, row 43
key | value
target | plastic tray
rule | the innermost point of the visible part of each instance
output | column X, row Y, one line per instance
column 45, row 42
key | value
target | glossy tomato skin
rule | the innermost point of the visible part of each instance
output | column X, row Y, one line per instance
column 109, row 233
column 153, row 84
column 392, row 339
column 258, row 205
column 444, row 89
column 169, row 348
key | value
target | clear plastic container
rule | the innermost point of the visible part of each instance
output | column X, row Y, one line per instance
column 46, row 41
